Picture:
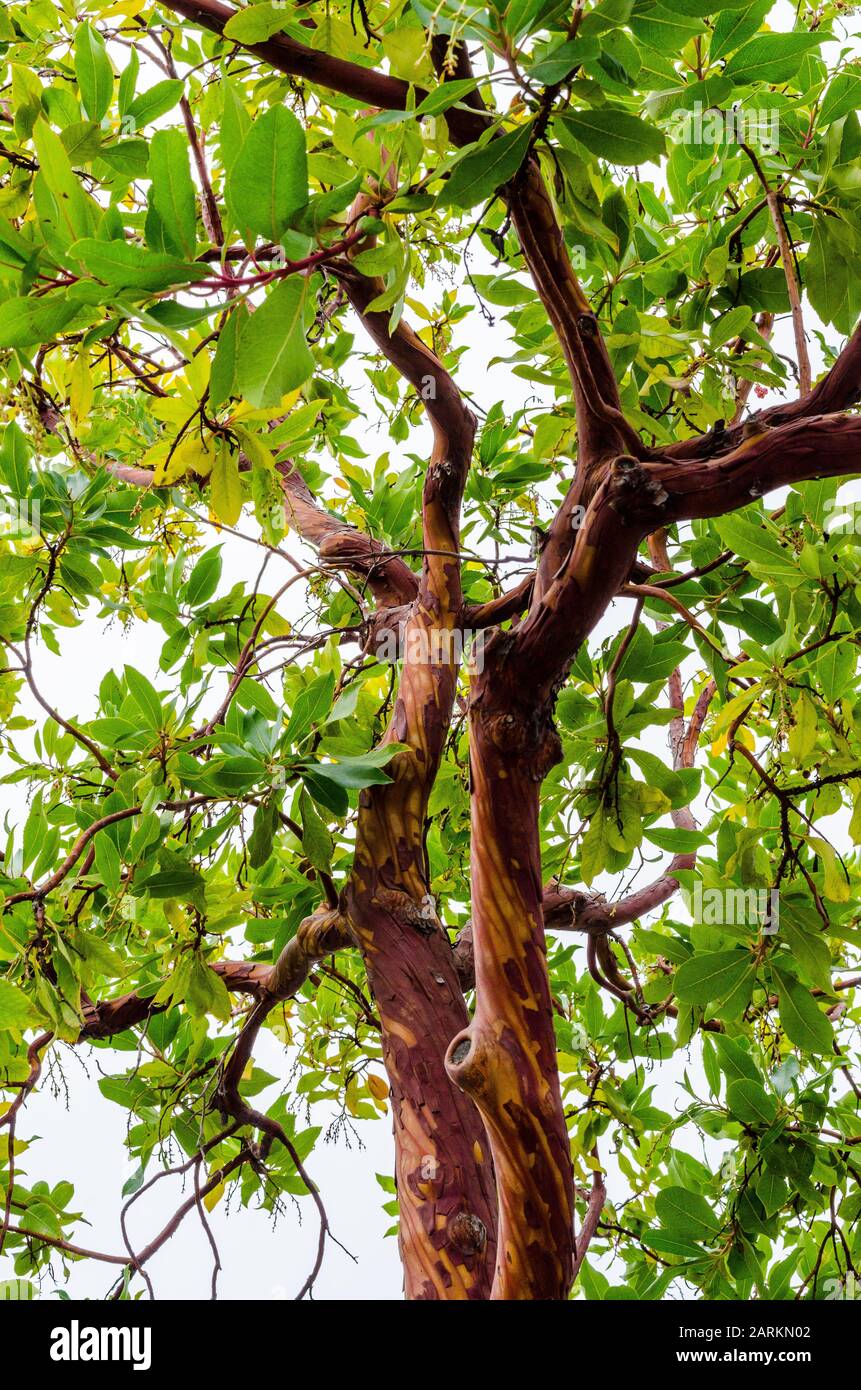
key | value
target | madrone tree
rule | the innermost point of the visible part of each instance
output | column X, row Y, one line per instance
column 242, row 254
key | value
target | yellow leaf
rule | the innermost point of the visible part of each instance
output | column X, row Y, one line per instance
column 350, row 1098
column 407, row 52
column 154, row 455
column 254, row 448
column 250, row 412
column 226, row 492
column 80, row 389
column 733, row 708
column 212, row 1198
column 836, row 887
column 377, row 1087
column 127, row 8
column 197, row 373
column 190, row 456
column 170, row 409
column 802, row 735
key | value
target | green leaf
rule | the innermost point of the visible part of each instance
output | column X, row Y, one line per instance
column 128, row 82
column 16, row 1011
column 771, row 58
column 444, row 96
column 268, row 181
column 771, row 1189
column 751, row 1103
column 316, row 840
column 843, row 95
column 206, row 993
column 15, row 456
column 156, row 101
column 803, row 1021
column 184, row 884
column 675, row 840
column 735, row 1060
column 273, row 356
column 203, row 580
column 93, row 71
column 665, row 29
column 255, row 23
column 263, row 832
column 145, row 696
column 734, row 27
column 171, row 224
column 809, row 950
column 25, row 322
column 122, row 265
column 355, row 773
column 686, row 1214
column 562, row 61
column 225, row 493
column 236, row 774
column 615, row 135
column 835, row 668
column 731, row 325
column 826, row 273
column 223, row 373
column 712, row 976
column 752, row 542
column 482, row 171
column 73, row 214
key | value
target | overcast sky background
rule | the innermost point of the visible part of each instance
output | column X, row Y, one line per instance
column 78, row 1135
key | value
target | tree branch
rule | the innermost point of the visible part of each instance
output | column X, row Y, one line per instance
column 366, row 85
column 837, row 390
column 821, row 446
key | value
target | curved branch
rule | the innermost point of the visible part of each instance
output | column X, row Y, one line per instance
column 837, row 390
column 318, row 936
column 448, row 1223
column 583, row 1240
column 367, row 85
column 342, row 546
column 818, row 446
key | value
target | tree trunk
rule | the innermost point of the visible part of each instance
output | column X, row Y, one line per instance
column 442, row 1160
column 506, row 1058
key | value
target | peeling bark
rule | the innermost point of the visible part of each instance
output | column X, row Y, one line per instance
column 506, row 1059
column 442, row 1160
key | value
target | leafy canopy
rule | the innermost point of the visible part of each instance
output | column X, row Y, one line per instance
column 155, row 317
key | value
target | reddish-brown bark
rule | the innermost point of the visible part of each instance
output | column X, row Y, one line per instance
column 442, row 1160
column 506, row 1058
